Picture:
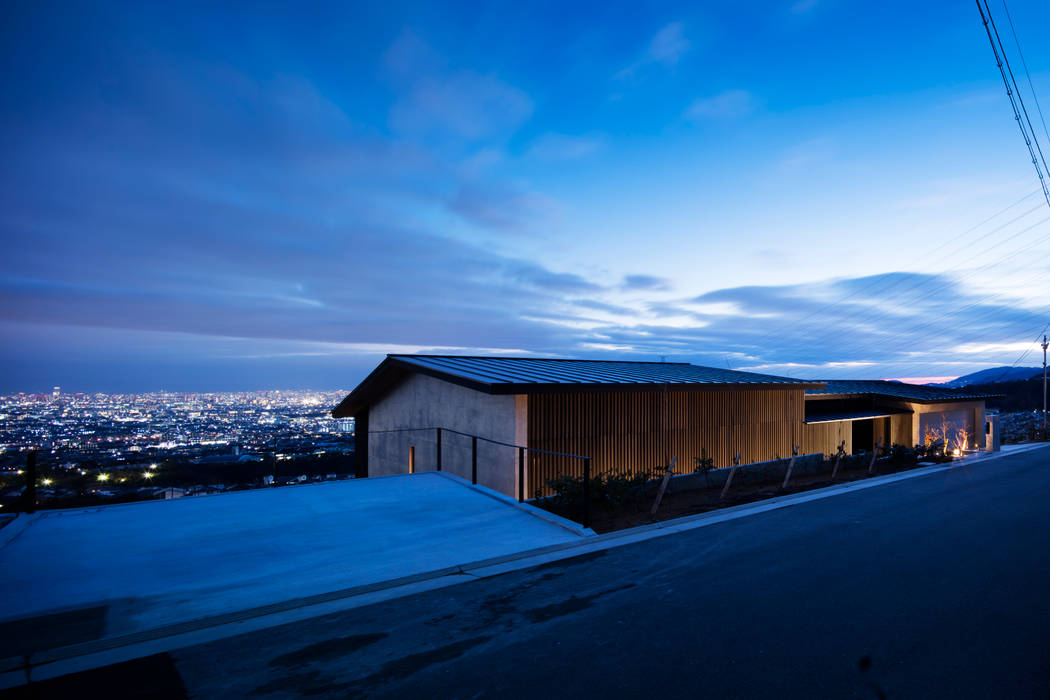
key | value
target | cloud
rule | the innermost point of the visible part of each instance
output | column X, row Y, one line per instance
column 409, row 55
column 808, row 152
column 725, row 105
column 434, row 101
column 463, row 104
column 504, row 208
column 665, row 49
column 561, row 147
column 213, row 228
column 803, row 6
column 646, row 282
column 669, row 45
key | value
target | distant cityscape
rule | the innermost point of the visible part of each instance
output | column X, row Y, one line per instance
column 105, row 448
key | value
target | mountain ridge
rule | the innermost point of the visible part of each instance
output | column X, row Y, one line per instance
column 993, row 375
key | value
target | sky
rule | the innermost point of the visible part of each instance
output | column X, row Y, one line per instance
column 224, row 196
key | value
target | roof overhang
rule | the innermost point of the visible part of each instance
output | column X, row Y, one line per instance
column 842, row 416
column 891, row 397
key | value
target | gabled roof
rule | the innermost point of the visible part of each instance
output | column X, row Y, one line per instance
column 523, row 375
column 897, row 390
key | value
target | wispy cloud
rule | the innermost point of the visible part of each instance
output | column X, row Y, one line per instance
column 665, row 49
column 808, row 152
column 504, row 208
column 645, row 282
column 435, row 101
column 463, row 104
column 724, row 105
column 803, row 6
column 669, row 45
column 561, row 147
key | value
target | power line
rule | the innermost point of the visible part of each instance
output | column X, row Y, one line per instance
column 1001, row 61
column 1024, row 63
column 1023, row 354
column 877, row 280
column 872, row 317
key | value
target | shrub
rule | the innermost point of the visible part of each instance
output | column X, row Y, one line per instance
column 611, row 490
column 903, row 455
column 703, row 462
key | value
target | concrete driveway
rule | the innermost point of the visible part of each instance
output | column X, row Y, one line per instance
column 76, row 575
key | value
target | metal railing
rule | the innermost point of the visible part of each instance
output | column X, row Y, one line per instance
column 522, row 451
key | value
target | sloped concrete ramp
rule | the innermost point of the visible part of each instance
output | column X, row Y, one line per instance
column 73, row 576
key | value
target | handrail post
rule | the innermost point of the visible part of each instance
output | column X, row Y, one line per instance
column 586, row 491
column 439, row 449
column 521, row 474
column 474, row 459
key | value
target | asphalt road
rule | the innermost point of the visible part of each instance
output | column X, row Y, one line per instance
column 930, row 587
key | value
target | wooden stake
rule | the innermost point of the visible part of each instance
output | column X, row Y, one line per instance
column 874, row 456
column 663, row 486
column 791, row 466
column 838, row 458
column 729, row 479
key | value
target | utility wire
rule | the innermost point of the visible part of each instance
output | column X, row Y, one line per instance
column 1029, row 135
column 1023, row 354
column 896, row 340
column 1017, row 89
column 923, row 324
column 1028, row 132
column 912, row 329
column 1004, row 69
column 879, row 279
column 875, row 315
column 1024, row 63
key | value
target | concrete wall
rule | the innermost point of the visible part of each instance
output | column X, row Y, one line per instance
column 426, row 402
column 961, row 414
column 768, row 472
column 992, row 433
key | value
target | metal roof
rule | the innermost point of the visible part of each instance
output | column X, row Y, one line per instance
column 520, row 375
column 897, row 390
column 532, row 370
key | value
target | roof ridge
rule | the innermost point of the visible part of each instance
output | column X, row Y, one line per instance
column 547, row 359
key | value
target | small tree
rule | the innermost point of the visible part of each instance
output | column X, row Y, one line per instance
column 704, row 465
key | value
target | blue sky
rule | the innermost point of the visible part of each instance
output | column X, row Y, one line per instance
column 209, row 197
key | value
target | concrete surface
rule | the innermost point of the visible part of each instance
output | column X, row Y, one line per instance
column 116, row 652
column 421, row 401
column 143, row 565
column 925, row 587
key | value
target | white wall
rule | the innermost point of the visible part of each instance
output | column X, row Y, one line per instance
column 422, row 401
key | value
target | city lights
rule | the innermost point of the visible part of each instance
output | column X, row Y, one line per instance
column 133, row 446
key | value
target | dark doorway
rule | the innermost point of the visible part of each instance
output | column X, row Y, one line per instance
column 863, row 435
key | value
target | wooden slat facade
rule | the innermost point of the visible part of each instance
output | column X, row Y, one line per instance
column 638, row 431
column 826, row 437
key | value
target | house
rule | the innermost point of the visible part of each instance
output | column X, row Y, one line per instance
column 863, row 412
column 473, row 416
